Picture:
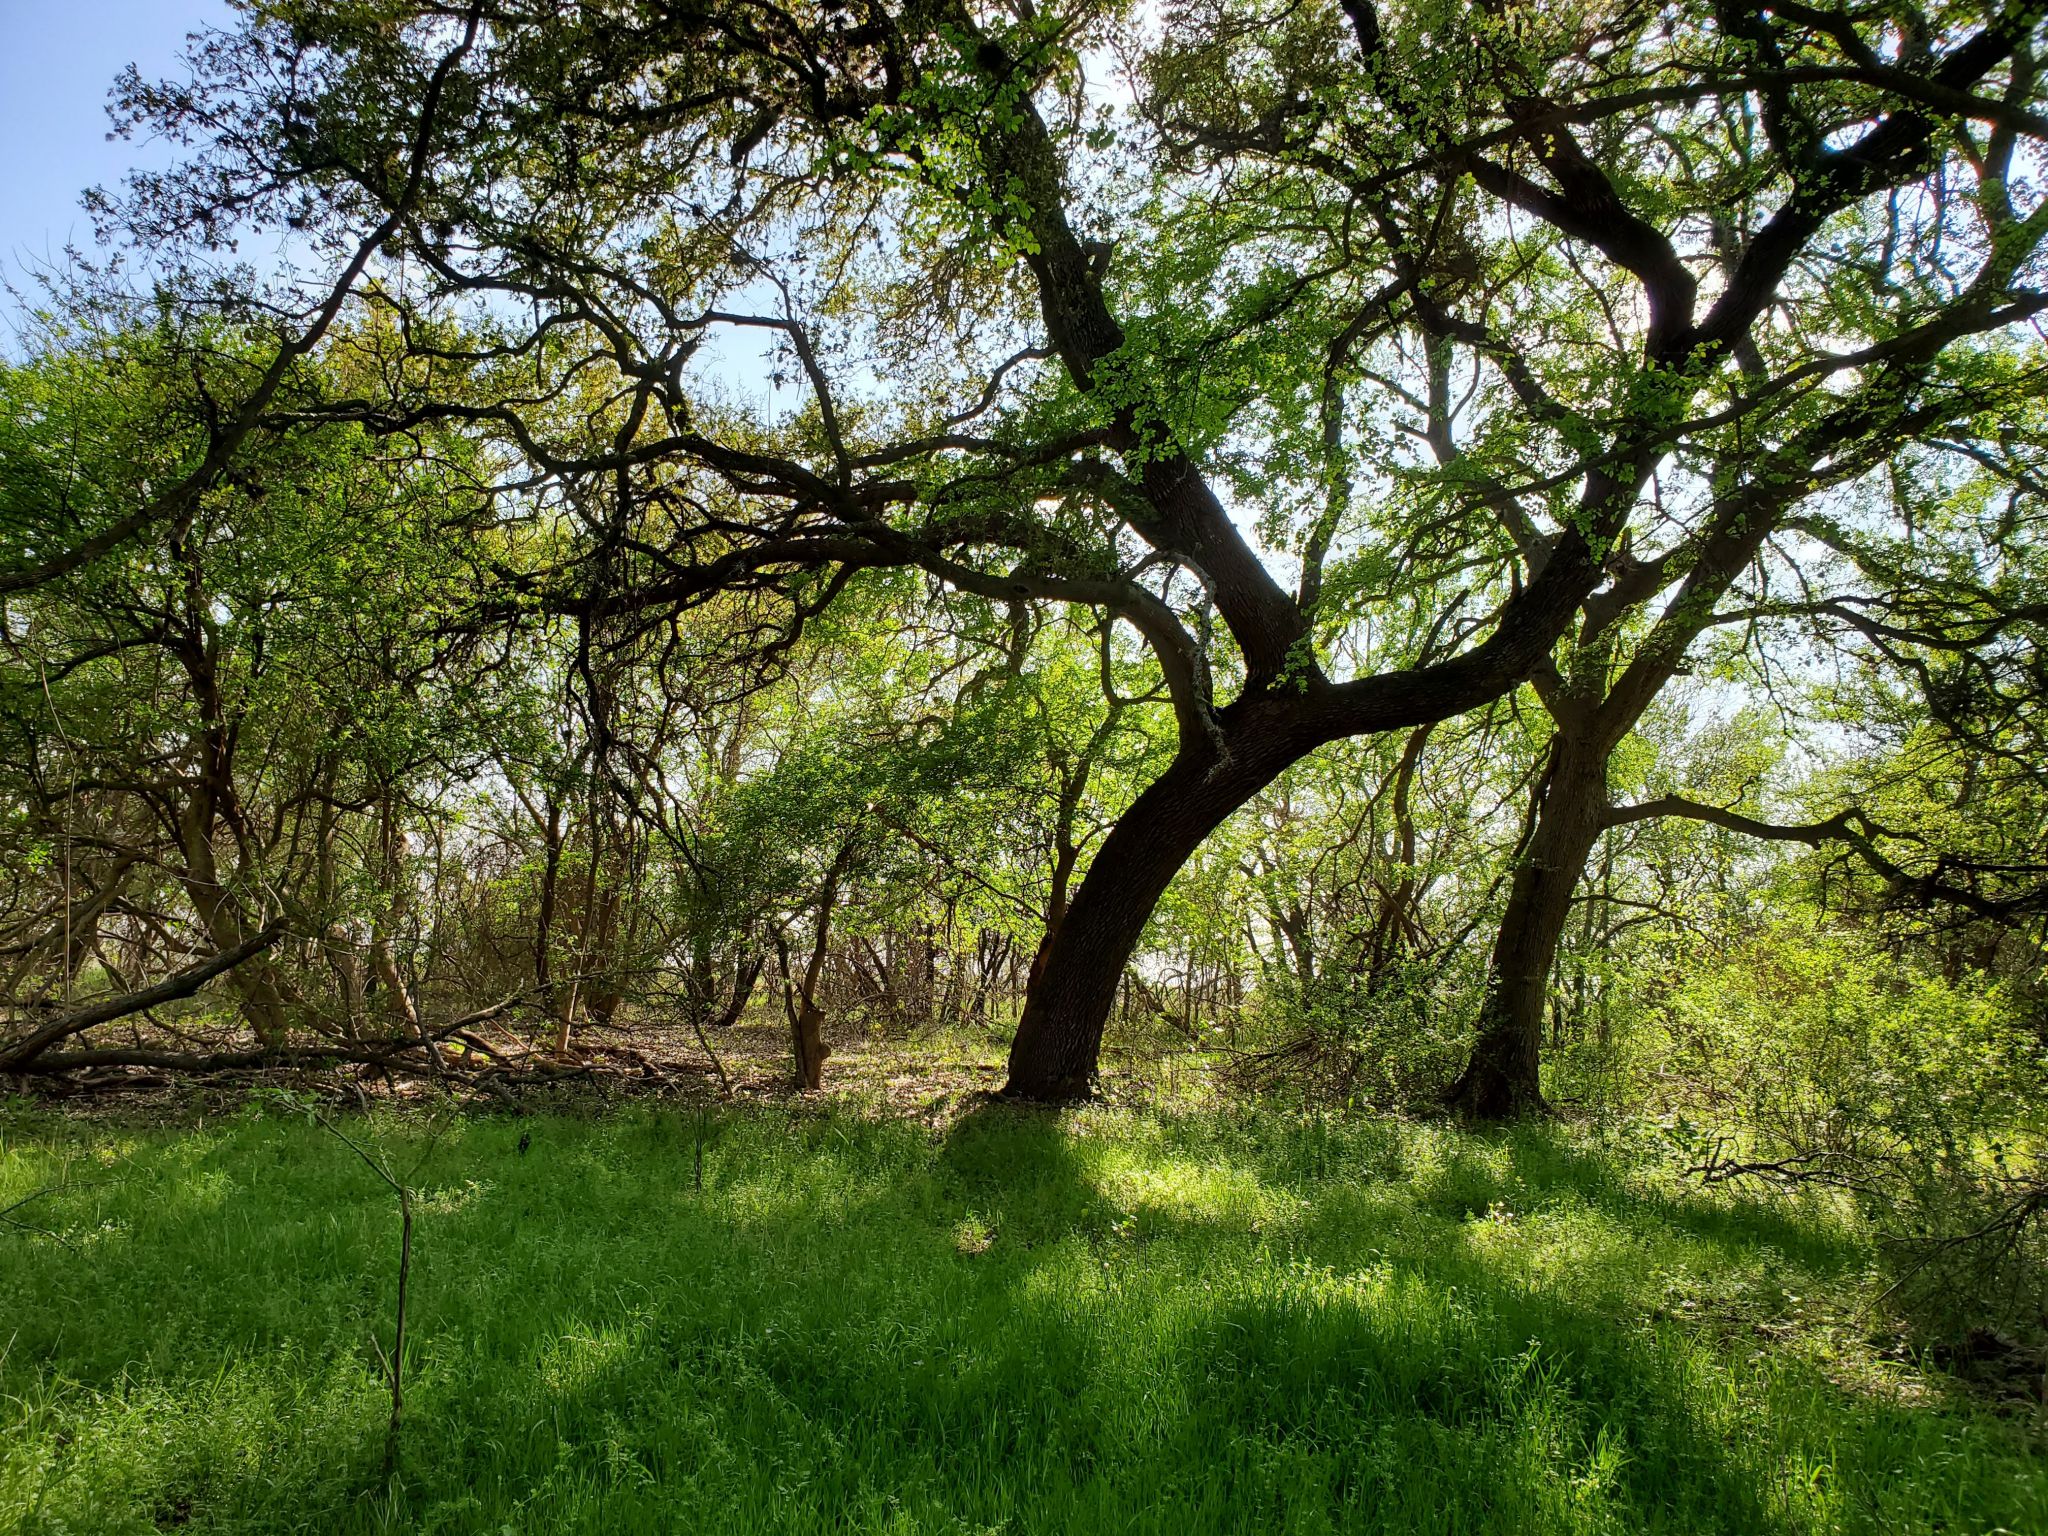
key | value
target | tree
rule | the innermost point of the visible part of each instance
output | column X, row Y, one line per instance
column 1621, row 657
column 1145, row 362
column 187, row 727
column 1779, row 500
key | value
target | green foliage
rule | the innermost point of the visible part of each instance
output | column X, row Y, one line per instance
column 1385, row 1042
column 1824, row 1035
column 1826, row 1056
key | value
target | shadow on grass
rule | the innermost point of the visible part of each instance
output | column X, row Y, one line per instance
column 1033, row 1322
column 1546, row 1160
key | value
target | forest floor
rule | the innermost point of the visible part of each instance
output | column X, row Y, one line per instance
column 611, row 1065
column 900, row 1307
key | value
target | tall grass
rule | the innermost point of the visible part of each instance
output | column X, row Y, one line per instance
column 1107, row 1321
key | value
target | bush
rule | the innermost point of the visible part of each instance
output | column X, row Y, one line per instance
column 1820, row 1058
column 1392, row 1041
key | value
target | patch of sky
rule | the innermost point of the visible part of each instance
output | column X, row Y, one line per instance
column 58, row 63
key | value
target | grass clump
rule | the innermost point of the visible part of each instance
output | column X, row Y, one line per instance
column 1111, row 1320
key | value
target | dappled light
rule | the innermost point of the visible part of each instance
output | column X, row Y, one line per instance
column 1028, row 766
column 1166, row 1320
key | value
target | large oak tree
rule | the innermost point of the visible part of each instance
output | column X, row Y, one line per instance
column 1348, row 356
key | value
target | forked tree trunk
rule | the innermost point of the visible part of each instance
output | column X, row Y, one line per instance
column 1503, row 1081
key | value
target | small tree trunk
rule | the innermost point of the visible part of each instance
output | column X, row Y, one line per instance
column 1065, row 855
column 807, row 1038
column 255, row 986
column 806, row 1018
column 543, row 932
column 347, row 966
column 397, row 880
column 1502, row 1080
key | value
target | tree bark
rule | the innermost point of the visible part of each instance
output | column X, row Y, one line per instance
column 1059, row 1038
column 1503, row 1081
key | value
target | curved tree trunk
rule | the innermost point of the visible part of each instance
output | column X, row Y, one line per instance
column 1502, row 1080
column 808, row 1049
column 1075, row 978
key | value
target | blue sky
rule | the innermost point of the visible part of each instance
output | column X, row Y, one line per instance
column 58, row 58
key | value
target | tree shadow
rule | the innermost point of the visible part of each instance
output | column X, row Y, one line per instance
column 1032, row 1320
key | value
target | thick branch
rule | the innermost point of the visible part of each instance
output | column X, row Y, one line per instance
column 16, row 1057
column 1850, row 828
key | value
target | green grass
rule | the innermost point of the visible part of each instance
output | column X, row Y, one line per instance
column 1110, row 1321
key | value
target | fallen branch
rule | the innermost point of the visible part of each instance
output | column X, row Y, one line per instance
column 1826, row 1169
column 18, row 1056
column 220, row 1061
column 375, row 1055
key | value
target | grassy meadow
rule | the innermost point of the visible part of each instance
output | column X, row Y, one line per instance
column 1109, row 1320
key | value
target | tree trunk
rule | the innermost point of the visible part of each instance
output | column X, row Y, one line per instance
column 1074, row 982
column 255, row 985
column 1065, row 856
column 807, row 1038
column 543, row 932
column 1502, row 1080
column 397, row 885
column 806, row 1018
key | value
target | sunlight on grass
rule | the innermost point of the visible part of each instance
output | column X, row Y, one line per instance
column 1117, row 1320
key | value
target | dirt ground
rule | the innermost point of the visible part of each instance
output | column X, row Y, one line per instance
column 909, row 1076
